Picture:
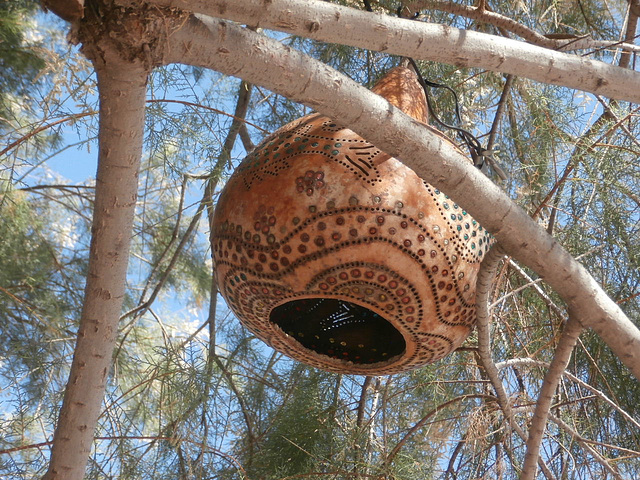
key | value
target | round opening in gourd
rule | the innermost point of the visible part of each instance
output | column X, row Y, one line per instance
column 339, row 329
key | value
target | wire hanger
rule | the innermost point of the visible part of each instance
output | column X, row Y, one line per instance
column 482, row 157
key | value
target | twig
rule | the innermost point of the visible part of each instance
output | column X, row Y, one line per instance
column 174, row 258
column 585, row 444
column 483, row 288
column 172, row 239
column 532, row 283
column 26, row 137
column 539, row 363
column 499, row 111
column 420, row 423
column 215, row 110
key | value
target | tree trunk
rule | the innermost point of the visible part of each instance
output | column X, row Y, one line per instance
column 122, row 89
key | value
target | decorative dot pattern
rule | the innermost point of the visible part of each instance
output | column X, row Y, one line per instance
column 317, row 213
column 313, row 135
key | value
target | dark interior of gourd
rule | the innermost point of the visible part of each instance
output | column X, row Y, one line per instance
column 339, row 329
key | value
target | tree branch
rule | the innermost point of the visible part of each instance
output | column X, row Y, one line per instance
column 486, row 16
column 530, row 362
column 483, row 290
column 145, row 304
column 239, row 121
column 33, row 132
column 327, row 22
column 233, row 50
column 583, row 442
column 499, row 21
column 420, row 423
column 630, row 32
column 122, row 100
column 550, row 383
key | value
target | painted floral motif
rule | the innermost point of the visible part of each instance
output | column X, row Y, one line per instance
column 310, row 182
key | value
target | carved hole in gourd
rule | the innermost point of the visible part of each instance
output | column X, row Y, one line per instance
column 339, row 329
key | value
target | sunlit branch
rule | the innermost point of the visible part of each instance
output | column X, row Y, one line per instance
column 332, row 23
column 483, row 14
column 484, row 286
column 232, row 50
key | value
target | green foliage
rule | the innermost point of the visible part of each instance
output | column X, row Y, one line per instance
column 35, row 306
column 193, row 395
column 20, row 61
column 300, row 437
column 38, row 308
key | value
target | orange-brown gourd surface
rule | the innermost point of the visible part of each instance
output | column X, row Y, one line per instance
column 340, row 256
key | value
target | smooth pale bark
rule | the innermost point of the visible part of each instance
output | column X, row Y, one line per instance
column 332, row 23
column 561, row 357
column 122, row 89
column 484, row 15
column 233, row 50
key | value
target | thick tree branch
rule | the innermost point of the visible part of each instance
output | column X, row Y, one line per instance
column 483, row 290
column 630, row 32
column 484, row 286
column 236, row 51
column 121, row 46
column 482, row 14
column 122, row 100
column 332, row 23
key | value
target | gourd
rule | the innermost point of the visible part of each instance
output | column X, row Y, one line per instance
column 339, row 255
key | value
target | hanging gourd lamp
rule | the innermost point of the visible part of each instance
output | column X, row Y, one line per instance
column 340, row 256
